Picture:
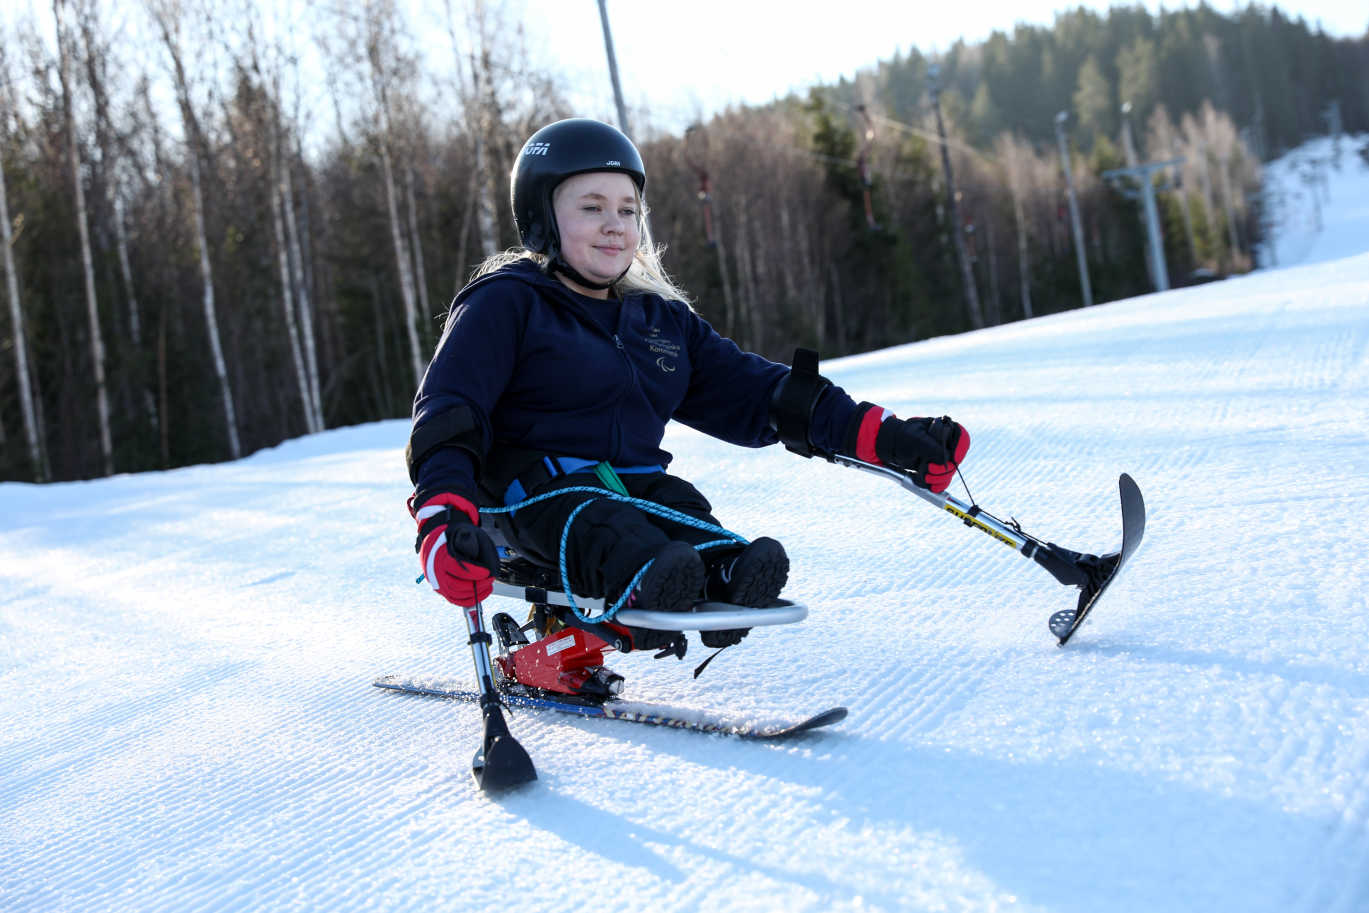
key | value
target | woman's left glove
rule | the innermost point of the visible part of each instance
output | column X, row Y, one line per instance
column 929, row 449
column 458, row 557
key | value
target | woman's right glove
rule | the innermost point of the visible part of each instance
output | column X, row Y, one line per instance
column 929, row 449
column 458, row 557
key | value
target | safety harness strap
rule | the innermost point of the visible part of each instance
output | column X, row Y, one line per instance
column 795, row 398
column 457, row 427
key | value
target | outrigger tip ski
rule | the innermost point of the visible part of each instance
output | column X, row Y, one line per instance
column 1092, row 574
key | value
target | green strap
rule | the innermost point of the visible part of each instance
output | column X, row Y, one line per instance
column 610, row 478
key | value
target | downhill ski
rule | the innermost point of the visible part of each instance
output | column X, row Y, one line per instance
column 741, row 724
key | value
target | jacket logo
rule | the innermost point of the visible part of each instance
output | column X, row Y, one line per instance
column 664, row 349
column 537, row 149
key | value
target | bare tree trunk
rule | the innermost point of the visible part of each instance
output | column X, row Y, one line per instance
column 1023, row 257
column 193, row 143
column 991, row 251
column 21, row 352
column 478, row 107
column 406, row 277
column 97, row 342
column 1014, row 158
column 135, row 322
column 788, row 242
column 287, row 253
column 302, row 285
column 376, row 51
column 419, row 270
column 729, row 302
column 162, row 391
column 306, row 398
column 489, row 230
column 811, row 284
column 745, row 302
column 210, row 316
column 1225, row 164
column 838, row 306
column 464, row 236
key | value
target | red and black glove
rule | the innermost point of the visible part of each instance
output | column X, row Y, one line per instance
column 458, row 557
column 928, row 448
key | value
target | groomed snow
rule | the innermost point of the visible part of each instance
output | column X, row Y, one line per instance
column 186, row 658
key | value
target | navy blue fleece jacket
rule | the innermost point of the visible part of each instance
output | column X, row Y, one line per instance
column 547, row 369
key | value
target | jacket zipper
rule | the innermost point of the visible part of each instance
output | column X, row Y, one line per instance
column 616, row 450
column 618, row 407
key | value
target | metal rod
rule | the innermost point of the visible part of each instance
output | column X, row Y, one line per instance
column 1084, row 286
column 480, row 650
column 966, row 512
column 1155, row 243
column 613, row 70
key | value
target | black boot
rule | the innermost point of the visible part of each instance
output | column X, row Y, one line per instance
column 673, row 582
column 752, row 578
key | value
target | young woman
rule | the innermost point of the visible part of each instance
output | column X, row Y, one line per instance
column 559, row 367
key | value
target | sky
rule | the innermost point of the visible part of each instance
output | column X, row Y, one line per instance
column 682, row 60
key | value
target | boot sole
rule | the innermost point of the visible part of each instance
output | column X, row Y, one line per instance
column 675, row 580
column 760, row 576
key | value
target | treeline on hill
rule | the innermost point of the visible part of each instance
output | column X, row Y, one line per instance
column 193, row 280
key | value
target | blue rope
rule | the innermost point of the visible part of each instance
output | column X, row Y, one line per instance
column 650, row 507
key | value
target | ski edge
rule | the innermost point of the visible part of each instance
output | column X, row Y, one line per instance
column 630, row 711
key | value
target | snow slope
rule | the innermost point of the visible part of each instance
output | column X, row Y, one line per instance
column 186, row 657
column 1317, row 197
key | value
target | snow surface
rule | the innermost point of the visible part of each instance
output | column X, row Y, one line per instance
column 1318, row 197
column 186, row 658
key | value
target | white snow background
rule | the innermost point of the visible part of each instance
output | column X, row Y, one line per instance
column 186, row 658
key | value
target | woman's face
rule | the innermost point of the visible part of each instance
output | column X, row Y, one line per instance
column 596, row 214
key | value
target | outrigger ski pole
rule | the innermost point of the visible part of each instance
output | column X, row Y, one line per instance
column 1092, row 574
column 500, row 762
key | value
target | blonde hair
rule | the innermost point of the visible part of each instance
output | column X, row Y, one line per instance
column 646, row 274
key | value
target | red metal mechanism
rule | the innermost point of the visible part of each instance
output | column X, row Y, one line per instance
column 568, row 662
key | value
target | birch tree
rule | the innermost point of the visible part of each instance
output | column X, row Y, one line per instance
column 275, row 191
column 387, row 69
column 267, row 113
column 420, row 270
column 301, row 286
column 111, row 188
column 21, row 357
column 474, row 88
column 97, row 342
column 166, row 15
column 298, row 272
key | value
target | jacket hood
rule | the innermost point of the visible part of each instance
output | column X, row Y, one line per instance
column 526, row 271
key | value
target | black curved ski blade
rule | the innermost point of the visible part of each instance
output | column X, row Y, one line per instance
column 503, row 764
column 500, row 763
column 1064, row 623
column 817, row 721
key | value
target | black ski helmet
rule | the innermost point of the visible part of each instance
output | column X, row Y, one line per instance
column 566, row 148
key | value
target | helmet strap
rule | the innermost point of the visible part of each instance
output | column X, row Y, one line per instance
column 557, row 264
